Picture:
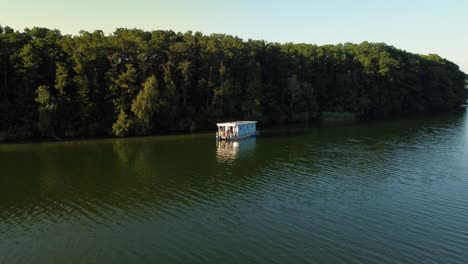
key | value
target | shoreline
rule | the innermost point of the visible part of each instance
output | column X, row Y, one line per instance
column 314, row 123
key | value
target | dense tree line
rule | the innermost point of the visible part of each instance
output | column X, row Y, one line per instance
column 135, row 82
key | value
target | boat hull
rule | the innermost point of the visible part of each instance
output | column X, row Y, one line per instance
column 218, row 137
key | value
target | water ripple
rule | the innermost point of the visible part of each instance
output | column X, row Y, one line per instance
column 389, row 192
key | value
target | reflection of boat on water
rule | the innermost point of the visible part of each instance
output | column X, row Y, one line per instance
column 236, row 130
column 231, row 150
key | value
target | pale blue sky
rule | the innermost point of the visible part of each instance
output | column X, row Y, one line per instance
column 418, row 26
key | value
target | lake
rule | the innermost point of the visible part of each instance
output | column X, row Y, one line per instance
column 383, row 192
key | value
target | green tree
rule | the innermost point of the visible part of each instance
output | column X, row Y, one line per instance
column 146, row 105
column 126, row 87
column 47, row 106
column 185, row 70
column 91, row 84
column 124, row 125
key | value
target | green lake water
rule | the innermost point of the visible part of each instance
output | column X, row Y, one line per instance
column 385, row 192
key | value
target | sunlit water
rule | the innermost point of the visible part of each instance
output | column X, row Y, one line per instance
column 386, row 192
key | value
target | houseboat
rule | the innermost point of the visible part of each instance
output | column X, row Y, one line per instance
column 236, row 130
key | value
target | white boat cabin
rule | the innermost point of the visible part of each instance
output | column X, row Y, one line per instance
column 236, row 130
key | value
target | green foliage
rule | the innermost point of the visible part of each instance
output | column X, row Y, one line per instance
column 62, row 79
column 185, row 71
column 93, row 84
column 45, row 99
column 47, row 107
column 146, row 105
column 123, row 125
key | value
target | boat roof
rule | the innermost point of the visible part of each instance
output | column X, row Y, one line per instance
column 234, row 123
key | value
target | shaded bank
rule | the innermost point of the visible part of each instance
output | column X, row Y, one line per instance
column 136, row 82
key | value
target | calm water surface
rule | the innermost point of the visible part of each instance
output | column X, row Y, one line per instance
column 386, row 192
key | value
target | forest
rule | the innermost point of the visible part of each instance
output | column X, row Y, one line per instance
column 134, row 82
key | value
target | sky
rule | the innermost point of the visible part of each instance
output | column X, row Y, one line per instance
column 417, row 26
